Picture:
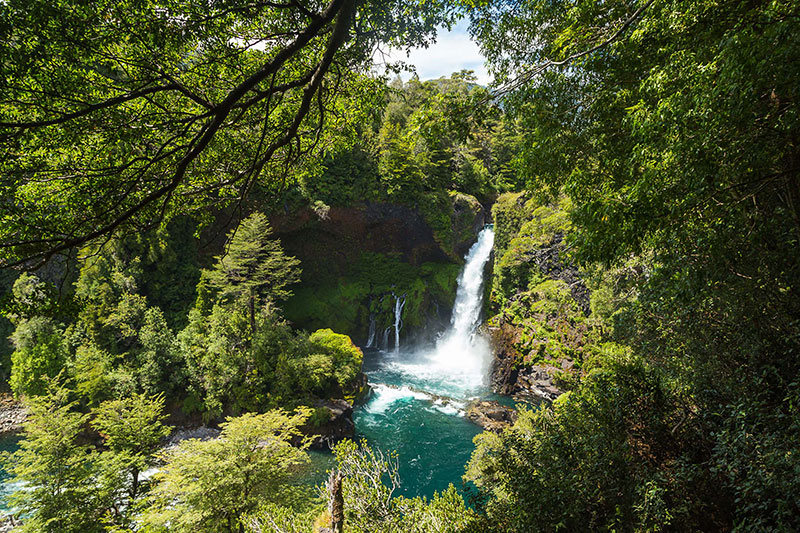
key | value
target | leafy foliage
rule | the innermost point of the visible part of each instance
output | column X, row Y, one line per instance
column 670, row 127
column 211, row 485
column 59, row 471
column 370, row 478
column 131, row 429
column 39, row 353
column 122, row 104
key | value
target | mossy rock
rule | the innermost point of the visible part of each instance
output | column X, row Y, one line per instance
column 455, row 218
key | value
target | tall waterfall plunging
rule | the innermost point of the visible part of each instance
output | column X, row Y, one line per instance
column 419, row 396
column 458, row 364
column 461, row 353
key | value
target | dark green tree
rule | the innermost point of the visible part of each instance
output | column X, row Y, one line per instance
column 254, row 270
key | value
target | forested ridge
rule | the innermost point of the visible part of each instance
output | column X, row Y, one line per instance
column 208, row 206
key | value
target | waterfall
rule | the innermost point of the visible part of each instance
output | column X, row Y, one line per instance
column 385, row 340
column 419, row 396
column 458, row 365
column 372, row 331
column 399, row 303
column 460, row 353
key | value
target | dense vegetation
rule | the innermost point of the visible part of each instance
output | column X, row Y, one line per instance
column 643, row 170
column 677, row 146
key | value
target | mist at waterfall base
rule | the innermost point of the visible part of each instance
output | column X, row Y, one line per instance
column 419, row 395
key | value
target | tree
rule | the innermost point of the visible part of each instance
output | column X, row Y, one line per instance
column 672, row 126
column 39, row 353
column 345, row 357
column 60, row 493
column 159, row 365
column 213, row 485
column 254, row 269
column 132, row 429
column 369, row 480
column 115, row 117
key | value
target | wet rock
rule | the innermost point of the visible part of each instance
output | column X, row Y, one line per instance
column 491, row 415
column 9, row 523
column 526, row 383
column 535, row 385
column 182, row 434
column 12, row 415
column 338, row 425
column 331, row 246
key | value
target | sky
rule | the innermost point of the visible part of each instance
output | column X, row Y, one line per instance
column 452, row 51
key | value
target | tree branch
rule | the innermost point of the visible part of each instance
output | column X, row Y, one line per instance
column 527, row 76
column 338, row 11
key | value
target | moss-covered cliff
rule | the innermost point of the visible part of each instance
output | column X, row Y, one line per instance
column 358, row 260
column 539, row 303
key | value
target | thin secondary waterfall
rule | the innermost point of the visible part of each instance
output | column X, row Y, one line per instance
column 385, row 339
column 372, row 331
column 399, row 303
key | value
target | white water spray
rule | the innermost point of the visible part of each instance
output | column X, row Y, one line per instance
column 458, row 365
column 462, row 353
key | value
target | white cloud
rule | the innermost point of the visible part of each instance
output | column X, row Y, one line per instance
column 452, row 51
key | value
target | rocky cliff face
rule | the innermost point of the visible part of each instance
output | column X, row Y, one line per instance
column 358, row 261
column 539, row 302
column 531, row 383
column 331, row 243
column 551, row 263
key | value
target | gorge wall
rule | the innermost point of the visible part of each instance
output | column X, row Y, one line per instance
column 361, row 262
column 539, row 303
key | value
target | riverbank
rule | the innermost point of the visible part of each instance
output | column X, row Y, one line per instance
column 12, row 415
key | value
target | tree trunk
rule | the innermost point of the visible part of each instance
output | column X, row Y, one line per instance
column 336, row 503
column 135, row 484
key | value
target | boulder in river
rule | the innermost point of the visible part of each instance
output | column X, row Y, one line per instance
column 491, row 415
column 330, row 429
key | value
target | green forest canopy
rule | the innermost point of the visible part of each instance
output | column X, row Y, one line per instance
column 670, row 125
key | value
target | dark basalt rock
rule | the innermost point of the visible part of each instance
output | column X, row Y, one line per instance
column 331, row 245
column 530, row 384
column 548, row 259
column 491, row 415
column 535, row 385
column 338, row 426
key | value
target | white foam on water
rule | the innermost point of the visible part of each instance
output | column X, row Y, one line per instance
column 383, row 396
column 447, row 408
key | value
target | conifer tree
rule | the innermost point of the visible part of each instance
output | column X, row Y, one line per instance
column 254, row 268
